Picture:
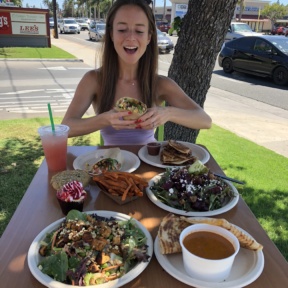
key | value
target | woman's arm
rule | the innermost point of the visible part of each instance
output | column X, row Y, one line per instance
column 182, row 110
column 85, row 96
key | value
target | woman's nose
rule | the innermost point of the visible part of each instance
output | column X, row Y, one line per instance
column 131, row 35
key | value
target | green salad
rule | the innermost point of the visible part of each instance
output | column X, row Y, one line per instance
column 192, row 188
column 90, row 249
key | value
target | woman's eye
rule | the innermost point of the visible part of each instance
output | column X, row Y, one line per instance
column 139, row 32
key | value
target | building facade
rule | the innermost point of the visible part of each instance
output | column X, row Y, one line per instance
column 250, row 15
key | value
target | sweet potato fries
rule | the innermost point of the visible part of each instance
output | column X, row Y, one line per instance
column 122, row 184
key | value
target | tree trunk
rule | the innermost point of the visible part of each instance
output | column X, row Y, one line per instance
column 202, row 34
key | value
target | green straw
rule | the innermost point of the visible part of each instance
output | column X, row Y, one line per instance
column 51, row 117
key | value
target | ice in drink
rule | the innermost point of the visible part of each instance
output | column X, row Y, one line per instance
column 54, row 144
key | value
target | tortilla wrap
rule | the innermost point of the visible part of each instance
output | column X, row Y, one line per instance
column 135, row 106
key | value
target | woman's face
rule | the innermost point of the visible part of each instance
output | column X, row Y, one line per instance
column 130, row 33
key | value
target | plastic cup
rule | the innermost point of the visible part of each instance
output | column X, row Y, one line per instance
column 153, row 148
column 54, row 144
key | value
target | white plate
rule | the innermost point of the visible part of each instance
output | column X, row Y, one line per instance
column 197, row 151
column 130, row 161
column 34, row 257
column 157, row 202
column 247, row 267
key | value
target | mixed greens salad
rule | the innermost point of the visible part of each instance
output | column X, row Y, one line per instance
column 90, row 249
column 192, row 188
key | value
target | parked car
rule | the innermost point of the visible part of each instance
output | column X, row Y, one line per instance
column 83, row 24
column 163, row 26
column 59, row 21
column 239, row 29
column 96, row 31
column 51, row 22
column 69, row 26
column 279, row 31
column 263, row 55
column 165, row 44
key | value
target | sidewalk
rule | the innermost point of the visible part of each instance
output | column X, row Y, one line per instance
column 258, row 122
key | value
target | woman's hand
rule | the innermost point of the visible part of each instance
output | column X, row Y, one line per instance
column 153, row 118
column 115, row 119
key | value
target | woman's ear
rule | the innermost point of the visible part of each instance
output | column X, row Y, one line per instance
column 149, row 39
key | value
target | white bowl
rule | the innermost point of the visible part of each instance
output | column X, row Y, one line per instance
column 207, row 269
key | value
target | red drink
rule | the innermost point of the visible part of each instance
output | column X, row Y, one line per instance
column 55, row 146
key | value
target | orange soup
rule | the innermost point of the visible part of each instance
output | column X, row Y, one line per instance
column 208, row 245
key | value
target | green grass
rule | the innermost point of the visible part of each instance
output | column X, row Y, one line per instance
column 263, row 171
column 40, row 53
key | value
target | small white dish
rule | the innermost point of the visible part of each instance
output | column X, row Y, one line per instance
column 130, row 161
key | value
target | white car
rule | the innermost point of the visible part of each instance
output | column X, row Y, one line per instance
column 83, row 24
column 97, row 31
column 239, row 29
column 69, row 26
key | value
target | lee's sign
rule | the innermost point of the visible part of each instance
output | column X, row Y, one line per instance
column 22, row 23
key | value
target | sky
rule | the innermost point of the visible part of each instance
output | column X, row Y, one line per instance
column 38, row 3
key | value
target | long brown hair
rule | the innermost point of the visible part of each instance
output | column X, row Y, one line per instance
column 148, row 63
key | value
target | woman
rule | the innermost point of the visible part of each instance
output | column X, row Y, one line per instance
column 129, row 69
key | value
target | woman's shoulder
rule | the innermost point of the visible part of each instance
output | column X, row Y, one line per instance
column 165, row 84
column 91, row 77
column 95, row 73
column 164, row 80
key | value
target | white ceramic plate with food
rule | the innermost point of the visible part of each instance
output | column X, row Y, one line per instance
column 197, row 151
column 247, row 267
column 168, row 208
column 85, row 162
column 34, row 257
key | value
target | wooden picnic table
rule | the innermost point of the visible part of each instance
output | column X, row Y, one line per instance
column 39, row 208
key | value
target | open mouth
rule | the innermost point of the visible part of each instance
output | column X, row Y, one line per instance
column 130, row 50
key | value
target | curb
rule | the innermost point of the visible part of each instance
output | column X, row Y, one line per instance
column 42, row 59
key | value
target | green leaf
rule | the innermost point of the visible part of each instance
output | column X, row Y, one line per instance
column 55, row 266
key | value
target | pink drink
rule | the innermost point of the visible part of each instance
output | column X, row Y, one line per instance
column 55, row 146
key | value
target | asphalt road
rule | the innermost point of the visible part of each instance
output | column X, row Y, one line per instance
column 27, row 87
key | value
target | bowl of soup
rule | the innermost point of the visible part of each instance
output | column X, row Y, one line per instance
column 208, row 252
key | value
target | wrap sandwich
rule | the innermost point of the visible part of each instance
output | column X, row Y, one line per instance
column 108, row 160
column 137, row 107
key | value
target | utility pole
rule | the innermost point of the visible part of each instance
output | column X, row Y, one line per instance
column 55, row 19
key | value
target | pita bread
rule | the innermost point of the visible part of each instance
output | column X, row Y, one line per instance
column 246, row 241
column 169, row 233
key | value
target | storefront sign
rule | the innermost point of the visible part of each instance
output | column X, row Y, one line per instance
column 181, row 10
column 22, row 23
column 5, row 23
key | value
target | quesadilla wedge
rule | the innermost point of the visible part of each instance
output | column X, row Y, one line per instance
column 172, row 225
column 169, row 233
column 175, row 153
column 246, row 241
column 135, row 106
